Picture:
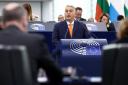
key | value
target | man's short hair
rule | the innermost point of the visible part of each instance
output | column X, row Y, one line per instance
column 70, row 6
column 78, row 8
column 13, row 14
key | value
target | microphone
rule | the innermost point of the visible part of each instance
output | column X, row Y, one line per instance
column 66, row 34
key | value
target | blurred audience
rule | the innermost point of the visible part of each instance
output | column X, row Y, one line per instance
column 91, row 19
column 28, row 9
column 105, row 18
column 35, row 17
column 15, row 33
column 1, row 23
column 120, row 17
column 78, row 14
column 60, row 18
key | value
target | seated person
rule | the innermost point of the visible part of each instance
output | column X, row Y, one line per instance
column 78, row 14
column 60, row 18
column 91, row 19
column 1, row 23
column 105, row 18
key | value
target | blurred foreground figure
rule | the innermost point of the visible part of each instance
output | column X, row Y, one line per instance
column 122, row 34
column 15, row 22
column 1, row 23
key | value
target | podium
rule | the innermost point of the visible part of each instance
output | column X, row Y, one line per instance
column 83, row 55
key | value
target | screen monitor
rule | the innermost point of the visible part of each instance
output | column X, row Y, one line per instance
column 95, row 26
column 36, row 26
column 49, row 25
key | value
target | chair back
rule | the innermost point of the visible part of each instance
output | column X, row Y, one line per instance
column 14, row 66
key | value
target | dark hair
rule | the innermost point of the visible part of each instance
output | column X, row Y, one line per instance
column 1, row 19
column 120, row 17
column 78, row 8
column 104, row 14
column 28, row 8
column 14, row 14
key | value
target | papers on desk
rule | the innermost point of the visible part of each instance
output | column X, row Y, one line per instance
column 42, row 79
column 37, row 27
column 93, row 79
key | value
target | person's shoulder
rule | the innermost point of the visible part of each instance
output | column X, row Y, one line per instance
column 82, row 19
column 61, row 23
column 79, row 22
column 123, row 40
column 34, row 36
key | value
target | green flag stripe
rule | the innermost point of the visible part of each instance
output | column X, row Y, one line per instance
column 125, row 11
column 103, row 5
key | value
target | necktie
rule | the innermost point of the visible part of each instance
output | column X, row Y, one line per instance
column 70, row 27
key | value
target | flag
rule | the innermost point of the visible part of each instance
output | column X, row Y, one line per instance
column 116, row 8
column 126, row 8
column 101, row 7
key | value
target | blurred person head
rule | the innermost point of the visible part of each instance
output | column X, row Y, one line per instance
column 69, row 13
column 28, row 8
column 104, row 18
column 1, row 23
column 120, row 17
column 91, row 19
column 60, row 18
column 35, row 18
column 14, row 14
column 123, row 29
column 78, row 12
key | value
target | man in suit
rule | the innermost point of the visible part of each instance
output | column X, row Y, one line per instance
column 14, row 33
column 79, row 14
column 69, row 28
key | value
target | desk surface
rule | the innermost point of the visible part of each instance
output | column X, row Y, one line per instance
column 76, row 81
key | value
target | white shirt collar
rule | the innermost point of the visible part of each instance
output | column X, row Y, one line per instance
column 69, row 23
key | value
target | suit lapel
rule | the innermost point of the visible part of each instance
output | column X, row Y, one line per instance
column 67, row 34
column 75, row 27
column 65, row 25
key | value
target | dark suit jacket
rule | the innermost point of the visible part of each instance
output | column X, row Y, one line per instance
column 111, row 27
column 123, row 40
column 82, row 19
column 61, row 31
column 37, row 51
column 121, row 69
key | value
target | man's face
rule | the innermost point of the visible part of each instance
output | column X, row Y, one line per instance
column 78, row 13
column 69, row 13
